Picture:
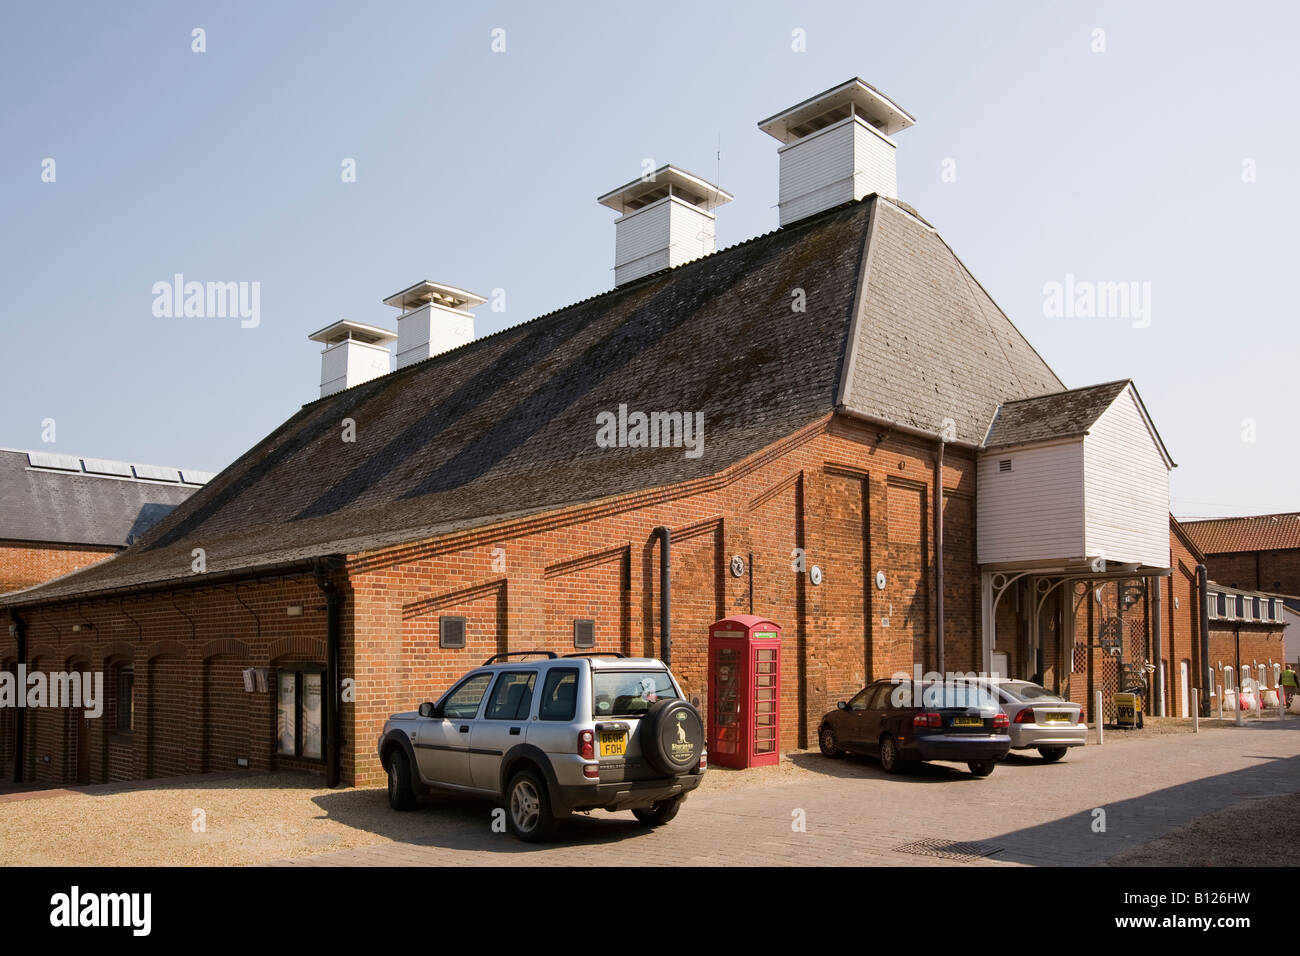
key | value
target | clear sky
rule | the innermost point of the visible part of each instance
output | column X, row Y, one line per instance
column 1169, row 159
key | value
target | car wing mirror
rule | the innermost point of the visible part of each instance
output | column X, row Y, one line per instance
column 843, row 705
column 428, row 709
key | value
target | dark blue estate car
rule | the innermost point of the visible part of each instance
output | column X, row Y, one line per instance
column 945, row 721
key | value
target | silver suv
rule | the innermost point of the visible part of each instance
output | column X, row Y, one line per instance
column 550, row 736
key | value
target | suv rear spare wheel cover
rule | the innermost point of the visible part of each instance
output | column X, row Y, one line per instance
column 672, row 736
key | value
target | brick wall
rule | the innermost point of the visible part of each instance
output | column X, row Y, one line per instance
column 852, row 504
column 24, row 563
column 1277, row 572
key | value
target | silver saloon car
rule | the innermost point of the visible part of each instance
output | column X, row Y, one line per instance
column 1039, row 719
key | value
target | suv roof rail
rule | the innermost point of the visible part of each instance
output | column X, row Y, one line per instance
column 500, row 657
column 596, row 654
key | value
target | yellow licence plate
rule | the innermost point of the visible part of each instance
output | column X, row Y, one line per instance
column 1057, row 718
column 967, row 722
column 613, row 745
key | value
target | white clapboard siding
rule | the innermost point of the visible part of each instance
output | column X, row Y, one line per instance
column 1126, row 487
column 662, row 235
column 843, row 162
column 1035, row 511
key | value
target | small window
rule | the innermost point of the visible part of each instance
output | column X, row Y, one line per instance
column 1254, row 609
column 125, row 698
column 584, row 633
column 451, row 632
column 1212, row 602
column 1004, row 464
column 559, row 694
column 462, row 703
column 513, row 697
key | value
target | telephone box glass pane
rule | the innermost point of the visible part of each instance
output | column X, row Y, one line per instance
column 726, row 704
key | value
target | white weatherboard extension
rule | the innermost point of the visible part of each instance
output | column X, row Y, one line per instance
column 1069, row 501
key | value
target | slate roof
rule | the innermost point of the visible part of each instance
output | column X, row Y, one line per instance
column 506, row 425
column 1277, row 532
column 1060, row 415
column 64, row 507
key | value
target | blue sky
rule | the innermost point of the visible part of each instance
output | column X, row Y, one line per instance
column 481, row 169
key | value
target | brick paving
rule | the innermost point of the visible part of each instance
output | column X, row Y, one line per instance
column 1034, row 813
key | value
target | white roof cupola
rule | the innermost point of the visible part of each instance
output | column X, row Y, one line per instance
column 666, row 218
column 353, row 353
column 836, row 148
column 434, row 319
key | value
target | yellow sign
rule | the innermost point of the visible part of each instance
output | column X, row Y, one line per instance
column 1126, row 706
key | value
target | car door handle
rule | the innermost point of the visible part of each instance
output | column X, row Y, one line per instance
column 514, row 731
column 464, row 728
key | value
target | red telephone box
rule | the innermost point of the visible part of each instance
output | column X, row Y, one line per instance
column 744, row 691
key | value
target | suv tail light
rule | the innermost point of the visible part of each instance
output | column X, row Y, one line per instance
column 1025, row 716
column 927, row 719
column 587, row 745
column 1000, row 721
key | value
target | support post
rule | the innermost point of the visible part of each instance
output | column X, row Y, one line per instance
column 1101, row 719
column 1196, row 710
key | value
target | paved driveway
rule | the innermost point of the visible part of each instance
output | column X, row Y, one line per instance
column 1027, row 812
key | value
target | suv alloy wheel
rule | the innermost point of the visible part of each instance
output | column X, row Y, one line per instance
column 528, row 807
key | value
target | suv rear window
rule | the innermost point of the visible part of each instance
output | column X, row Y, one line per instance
column 629, row 693
column 559, row 694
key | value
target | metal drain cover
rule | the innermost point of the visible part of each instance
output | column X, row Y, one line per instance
column 950, row 850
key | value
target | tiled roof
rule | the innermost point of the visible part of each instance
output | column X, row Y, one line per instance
column 65, row 506
column 506, row 425
column 1253, row 533
column 1060, row 415
column 932, row 345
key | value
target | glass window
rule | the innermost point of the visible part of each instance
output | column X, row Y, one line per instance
column 885, row 695
column 512, row 698
column 462, row 703
column 286, row 714
column 862, row 700
column 1025, row 691
column 299, row 711
column 629, row 693
column 956, row 695
column 559, row 694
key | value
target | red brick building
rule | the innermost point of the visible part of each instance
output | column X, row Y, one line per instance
column 686, row 446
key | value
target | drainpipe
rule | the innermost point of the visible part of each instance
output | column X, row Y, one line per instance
column 665, row 595
column 334, row 692
column 20, row 713
column 938, row 554
column 1202, row 587
column 1156, row 642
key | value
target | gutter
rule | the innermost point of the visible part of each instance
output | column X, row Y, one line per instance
column 665, row 594
column 333, row 696
column 20, row 713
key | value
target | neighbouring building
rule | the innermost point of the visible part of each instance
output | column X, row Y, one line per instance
column 838, row 394
column 59, row 513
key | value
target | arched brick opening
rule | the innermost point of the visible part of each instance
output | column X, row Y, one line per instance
column 169, row 713
column 226, row 705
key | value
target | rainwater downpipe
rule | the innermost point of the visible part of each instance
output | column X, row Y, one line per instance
column 665, row 595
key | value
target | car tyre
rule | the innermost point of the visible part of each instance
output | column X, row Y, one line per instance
column 1051, row 754
column 660, row 812
column 890, row 760
column 981, row 768
column 401, row 795
column 528, row 808
column 829, row 745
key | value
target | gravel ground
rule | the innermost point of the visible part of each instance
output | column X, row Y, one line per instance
column 1263, row 830
column 248, row 819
